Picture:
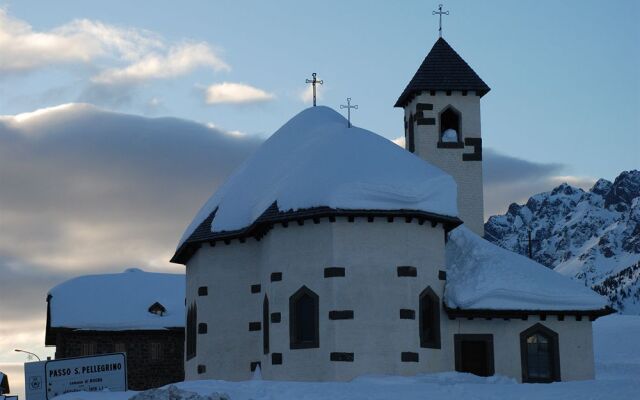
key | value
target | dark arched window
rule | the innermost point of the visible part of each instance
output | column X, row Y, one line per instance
column 192, row 331
column 429, row 319
column 304, row 319
column 539, row 354
column 450, row 125
column 265, row 324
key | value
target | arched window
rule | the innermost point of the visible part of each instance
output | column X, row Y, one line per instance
column 450, row 126
column 265, row 325
column 191, row 334
column 429, row 319
column 304, row 319
column 539, row 354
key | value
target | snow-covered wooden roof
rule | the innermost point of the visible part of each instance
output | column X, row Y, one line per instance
column 483, row 276
column 316, row 162
column 115, row 302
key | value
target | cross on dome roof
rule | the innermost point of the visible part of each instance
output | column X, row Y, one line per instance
column 442, row 69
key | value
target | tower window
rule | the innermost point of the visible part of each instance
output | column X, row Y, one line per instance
column 539, row 354
column 429, row 319
column 304, row 319
column 450, row 126
column 192, row 322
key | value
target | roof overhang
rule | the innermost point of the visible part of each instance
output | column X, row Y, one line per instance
column 273, row 216
column 50, row 338
column 454, row 313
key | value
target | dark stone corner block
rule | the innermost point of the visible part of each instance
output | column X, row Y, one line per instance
column 407, row 271
column 344, row 357
column 408, row 356
column 334, row 272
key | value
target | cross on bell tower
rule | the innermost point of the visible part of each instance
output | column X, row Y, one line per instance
column 440, row 13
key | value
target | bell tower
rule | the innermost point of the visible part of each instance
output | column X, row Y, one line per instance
column 442, row 124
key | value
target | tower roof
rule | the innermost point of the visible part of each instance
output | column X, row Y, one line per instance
column 442, row 69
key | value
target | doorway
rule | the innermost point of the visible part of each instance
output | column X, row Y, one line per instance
column 474, row 354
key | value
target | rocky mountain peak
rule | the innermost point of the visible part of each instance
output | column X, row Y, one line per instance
column 590, row 236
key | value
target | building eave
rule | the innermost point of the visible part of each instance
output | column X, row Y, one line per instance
column 273, row 216
column 457, row 312
column 52, row 332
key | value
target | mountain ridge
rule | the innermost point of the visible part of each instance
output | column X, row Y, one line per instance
column 592, row 236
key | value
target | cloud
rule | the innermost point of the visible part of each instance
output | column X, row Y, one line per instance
column 89, row 191
column 235, row 93
column 124, row 55
column 510, row 179
column 24, row 49
column 178, row 60
column 307, row 94
column 513, row 180
column 399, row 141
column 114, row 189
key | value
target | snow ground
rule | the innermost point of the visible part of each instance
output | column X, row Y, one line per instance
column 617, row 351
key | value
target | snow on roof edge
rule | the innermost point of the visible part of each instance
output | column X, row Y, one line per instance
column 483, row 276
column 118, row 301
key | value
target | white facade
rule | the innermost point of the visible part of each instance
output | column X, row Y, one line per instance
column 467, row 173
column 370, row 253
column 376, row 335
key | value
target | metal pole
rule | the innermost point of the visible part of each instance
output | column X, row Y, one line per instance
column 28, row 352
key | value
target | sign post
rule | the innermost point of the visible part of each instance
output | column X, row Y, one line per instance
column 48, row 379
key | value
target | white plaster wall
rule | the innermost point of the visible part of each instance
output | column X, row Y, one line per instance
column 575, row 343
column 370, row 254
column 228, row 347
column 467, row 174
column 300, row 253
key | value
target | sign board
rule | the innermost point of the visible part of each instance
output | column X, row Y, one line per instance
column 34, row 388
column 65, row 375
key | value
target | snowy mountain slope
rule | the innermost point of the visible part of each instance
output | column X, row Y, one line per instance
column 593, row 236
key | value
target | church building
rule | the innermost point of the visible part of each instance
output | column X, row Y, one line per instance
column 332, row 253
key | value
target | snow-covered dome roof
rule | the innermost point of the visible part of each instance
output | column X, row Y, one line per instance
column 483, row 276
column 118, row 301
column 315, row 160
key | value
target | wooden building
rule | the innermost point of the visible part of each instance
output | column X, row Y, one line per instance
column 135, row 312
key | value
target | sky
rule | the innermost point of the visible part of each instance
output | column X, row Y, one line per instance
column 119, row 119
